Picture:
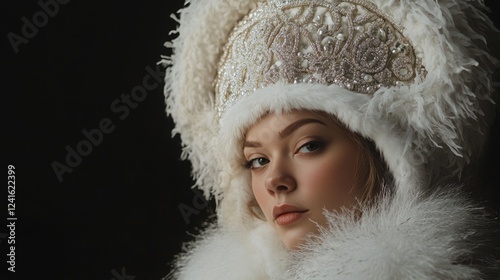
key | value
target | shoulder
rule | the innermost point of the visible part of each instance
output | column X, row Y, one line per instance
column 441, row 236
column 220, row 253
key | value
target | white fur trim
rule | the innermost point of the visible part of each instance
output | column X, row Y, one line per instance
column 203, row 28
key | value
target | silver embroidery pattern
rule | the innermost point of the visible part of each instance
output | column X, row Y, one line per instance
column 348, row 43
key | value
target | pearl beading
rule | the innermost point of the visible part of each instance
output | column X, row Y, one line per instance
column 348, row 43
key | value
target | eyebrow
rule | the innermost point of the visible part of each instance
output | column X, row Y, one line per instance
column 286, row 131
column 295, row 125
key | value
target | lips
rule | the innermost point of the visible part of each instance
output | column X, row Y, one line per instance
column 286, row 214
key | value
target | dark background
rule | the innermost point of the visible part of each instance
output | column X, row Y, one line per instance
column 116, row 215
column 119, row 208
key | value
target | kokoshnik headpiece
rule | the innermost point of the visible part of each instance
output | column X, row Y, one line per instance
column 235, row 60
column 348, row 43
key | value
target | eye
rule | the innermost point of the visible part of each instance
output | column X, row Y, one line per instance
column 256, row 163
column 310, row 147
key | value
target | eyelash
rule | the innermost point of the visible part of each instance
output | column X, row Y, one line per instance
column 249, row 164
column 319, row 146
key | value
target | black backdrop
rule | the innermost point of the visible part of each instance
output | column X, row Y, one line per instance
column 116, row 214
column 115, row 211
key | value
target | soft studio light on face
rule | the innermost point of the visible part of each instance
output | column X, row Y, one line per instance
column 301, row 163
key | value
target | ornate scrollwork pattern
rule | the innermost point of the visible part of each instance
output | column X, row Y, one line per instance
column 348, row 43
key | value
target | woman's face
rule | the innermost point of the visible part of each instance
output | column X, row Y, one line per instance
column 300, row 163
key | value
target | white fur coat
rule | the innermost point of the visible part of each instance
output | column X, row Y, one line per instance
column 441, row 236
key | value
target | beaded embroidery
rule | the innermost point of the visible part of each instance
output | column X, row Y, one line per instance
column 348, row 43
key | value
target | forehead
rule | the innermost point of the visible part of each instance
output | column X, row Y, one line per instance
column 276, row 122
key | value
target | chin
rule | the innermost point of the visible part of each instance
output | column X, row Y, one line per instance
column 294, row 238
column 291, row 244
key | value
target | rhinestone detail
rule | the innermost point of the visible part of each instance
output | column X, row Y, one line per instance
column 348, row 43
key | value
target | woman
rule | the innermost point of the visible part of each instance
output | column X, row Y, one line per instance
column 335, row 137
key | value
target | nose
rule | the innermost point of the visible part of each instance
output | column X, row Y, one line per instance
column 279, row 178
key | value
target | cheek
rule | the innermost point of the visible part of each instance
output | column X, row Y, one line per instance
column 261, row 195
column 331, row 179
column 257, row 192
